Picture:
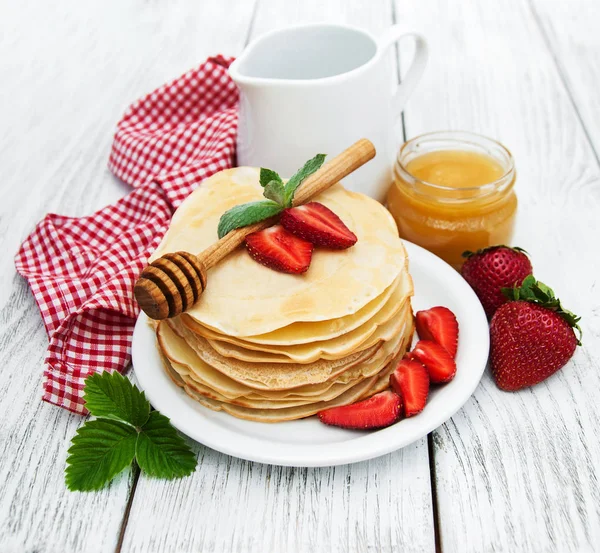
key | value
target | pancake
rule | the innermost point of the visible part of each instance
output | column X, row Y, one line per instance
column 337, row 390
column 335, row 348
column 184, row 359
column 302, row 332
column 187, row 364
column 248, row 400
column 289, row 413
column 283, row 403
column 361, row 391
column 332, row 349
column 244, row 298
column 270, row 375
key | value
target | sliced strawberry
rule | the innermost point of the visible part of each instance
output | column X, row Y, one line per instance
column 437, row 360
column 439, row 324
column 318, row 224
column 378, row 411
column 410, row 380
column 279, row 249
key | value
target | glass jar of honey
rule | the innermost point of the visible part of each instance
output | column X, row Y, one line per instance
column 453, row 191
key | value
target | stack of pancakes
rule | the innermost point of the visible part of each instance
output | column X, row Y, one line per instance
column 268, row 346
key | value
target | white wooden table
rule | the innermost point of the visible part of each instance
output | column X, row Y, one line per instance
column 508, row 473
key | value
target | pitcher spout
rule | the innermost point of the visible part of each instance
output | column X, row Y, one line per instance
column 256, row 64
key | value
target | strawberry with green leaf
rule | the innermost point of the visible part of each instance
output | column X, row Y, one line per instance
column 532, row 336
column 125, row 429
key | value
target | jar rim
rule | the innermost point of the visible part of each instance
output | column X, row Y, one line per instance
column 460, row 137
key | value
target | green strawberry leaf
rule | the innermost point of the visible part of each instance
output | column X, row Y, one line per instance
column 268, row 175
column 522, row 292
column 310, row 167
column 275, row 191
column 247, row 214
column 100, row 450
column 125, row 429
column 543, row 291
column 113, row 396
column 161, row 451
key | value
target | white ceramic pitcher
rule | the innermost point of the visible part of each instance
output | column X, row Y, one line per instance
column 318, row 88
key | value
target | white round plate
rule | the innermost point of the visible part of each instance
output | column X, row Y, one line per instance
column 308, row 442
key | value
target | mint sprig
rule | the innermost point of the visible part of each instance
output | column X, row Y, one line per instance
column 125, row 430
column 534, row 291
column 279, row 197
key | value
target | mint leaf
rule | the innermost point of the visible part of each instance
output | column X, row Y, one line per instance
column 268, row 175
column 113, row 396
column 310, row 167
column 161, row 451
column 247, row 214
column 100, row 450
column 274, row 191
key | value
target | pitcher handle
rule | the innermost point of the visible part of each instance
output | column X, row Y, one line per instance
column 415, row 71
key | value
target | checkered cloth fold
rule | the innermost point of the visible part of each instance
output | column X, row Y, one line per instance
column 82, row 270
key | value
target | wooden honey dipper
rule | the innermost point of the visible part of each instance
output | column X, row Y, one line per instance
column 174, row 282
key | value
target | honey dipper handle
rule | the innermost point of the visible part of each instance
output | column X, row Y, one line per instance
column 333, row 171
column 231, row 241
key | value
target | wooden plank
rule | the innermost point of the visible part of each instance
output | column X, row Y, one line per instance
column 37, row 513
column 383, row 505
column 518, row 472
column 238, row 506
column 571, row 33
column 69, row 71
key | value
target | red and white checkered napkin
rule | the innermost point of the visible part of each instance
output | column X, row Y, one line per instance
column 82, row 270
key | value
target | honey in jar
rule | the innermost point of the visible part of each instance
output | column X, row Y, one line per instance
column 452, row 192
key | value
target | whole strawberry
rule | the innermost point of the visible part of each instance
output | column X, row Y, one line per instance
column 491, row 269
column 532, row 336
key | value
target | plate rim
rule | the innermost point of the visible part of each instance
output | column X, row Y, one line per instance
column 365, row 446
